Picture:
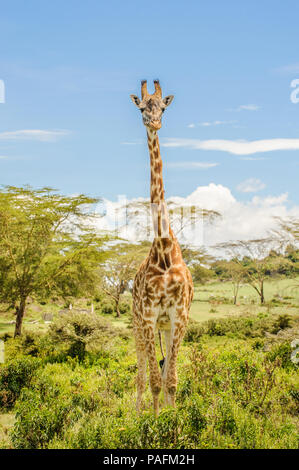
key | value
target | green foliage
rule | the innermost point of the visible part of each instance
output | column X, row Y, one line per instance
column 231, row 394
column 13, row 377
column 281, row 351
column 194, row 332
column 41, row 252
column 78, row 331
column 201, row 274
column 282, row 322
column 239, row 327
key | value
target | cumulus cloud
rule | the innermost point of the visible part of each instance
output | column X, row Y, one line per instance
column 238, row 220
column 251, row 185
column 191, row 165
column 34, row 134
column 236, row 147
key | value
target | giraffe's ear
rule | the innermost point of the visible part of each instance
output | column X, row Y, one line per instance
column 167, row 100
column 135, row 100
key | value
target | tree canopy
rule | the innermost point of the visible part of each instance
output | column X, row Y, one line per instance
column 47, row 246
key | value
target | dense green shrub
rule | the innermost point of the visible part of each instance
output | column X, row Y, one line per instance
column 231, row 393
column 283, row 352
column 194, row 332
column 14, row 376
column 124, row 307
column 80, row 330
column 282, row 322
column 39, row 419
column 107, row 308
column 59, row 396
column 239, row 327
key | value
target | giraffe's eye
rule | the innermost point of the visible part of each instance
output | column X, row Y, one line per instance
column 163, row 110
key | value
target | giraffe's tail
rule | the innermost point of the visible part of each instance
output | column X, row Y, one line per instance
column 161, row 363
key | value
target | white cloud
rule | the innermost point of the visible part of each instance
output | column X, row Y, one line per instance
column 3, row 157
column 192, row 165
column 131, row 143
column 291, row 68
column 238, row 221
column 249, row 107
column 246, row 107
column 216, row 123
column 34, row 134
column 237, row 147
column 212, row 123
column 251, row 185
column 252, row 159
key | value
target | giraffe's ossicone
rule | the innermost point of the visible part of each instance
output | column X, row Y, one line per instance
column 163, row 287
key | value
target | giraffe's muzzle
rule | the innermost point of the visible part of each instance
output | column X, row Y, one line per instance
column 155, row 125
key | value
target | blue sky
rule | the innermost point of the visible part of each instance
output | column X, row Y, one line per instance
column 69, row 68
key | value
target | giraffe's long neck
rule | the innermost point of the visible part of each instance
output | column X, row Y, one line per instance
column 158, row 205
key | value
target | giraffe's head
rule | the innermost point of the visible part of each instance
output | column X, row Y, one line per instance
column 152, row 106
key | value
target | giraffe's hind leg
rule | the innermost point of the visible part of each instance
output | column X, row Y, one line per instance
column 155, row 376
column 141, row 365
column 170, row 373
column 167, row 337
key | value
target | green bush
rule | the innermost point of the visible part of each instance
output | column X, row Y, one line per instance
column 80, row 330
column 215, row 328
column 194, row 332
column 281, row 351
column 282, row 322
column 60, row 395
column 107, row 307
column 14, row 376
column 124, row 307
column 39, row 419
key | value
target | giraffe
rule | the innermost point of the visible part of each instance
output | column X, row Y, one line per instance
column 163, row 288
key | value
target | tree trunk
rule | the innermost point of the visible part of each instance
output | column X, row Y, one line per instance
column 117, row 308
column 262, row 293
column 19, row 317
column 236, row 290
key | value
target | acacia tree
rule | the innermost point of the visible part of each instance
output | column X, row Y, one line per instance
column 47, row 246
column 181, row 218
column 254, row 264
column 230, row 270
column 198, row 261
column 119, row 268
column 236, row 276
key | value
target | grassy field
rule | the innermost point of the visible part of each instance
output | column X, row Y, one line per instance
column 213, row 300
